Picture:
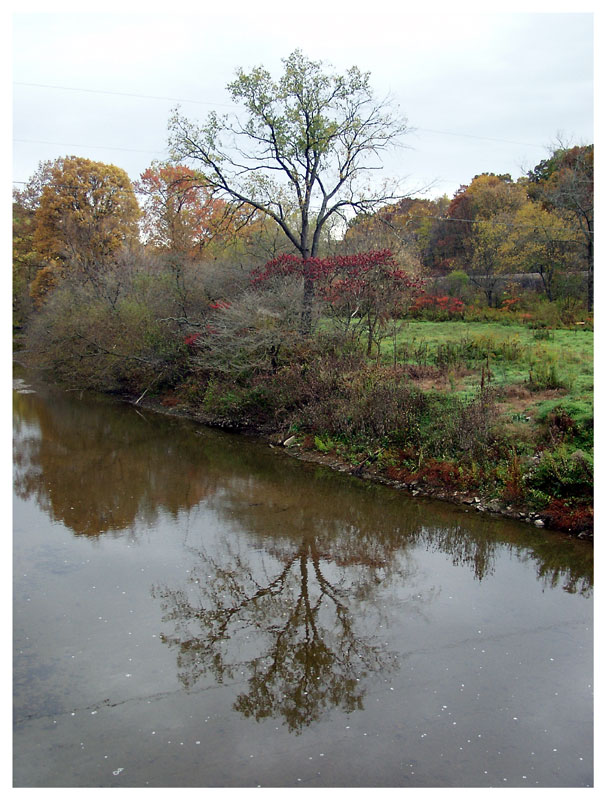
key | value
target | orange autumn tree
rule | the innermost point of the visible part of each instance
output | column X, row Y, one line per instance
column 87, row 213
column 180, row 214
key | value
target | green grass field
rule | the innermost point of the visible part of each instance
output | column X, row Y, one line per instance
column 534, row 371
column 554, row 359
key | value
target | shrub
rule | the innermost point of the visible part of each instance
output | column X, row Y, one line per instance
column 564, row 473
column 461, row 428
column 253, row 334
column 512, row 478
column 324, row 445
column 431, row 307
column 545, row 375
column 106, row 341
column 235, row 405
column 570, row 517
column 568, row 420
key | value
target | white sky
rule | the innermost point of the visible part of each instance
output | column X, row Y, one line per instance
column 484, row 91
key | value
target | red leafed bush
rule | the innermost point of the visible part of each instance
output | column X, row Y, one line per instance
column 190, row 341
column 511, row 304
column 436, row 474
column 349, row 272
column 567, row 517
column 439, row 308
column 362, row 292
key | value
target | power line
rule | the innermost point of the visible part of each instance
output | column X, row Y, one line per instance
column 123, row 94
column 231, row 105
column 94, row 146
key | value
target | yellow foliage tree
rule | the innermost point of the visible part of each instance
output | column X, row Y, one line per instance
column 489, row 238
column 86, row 214
column 494, row 194
column 541, row 241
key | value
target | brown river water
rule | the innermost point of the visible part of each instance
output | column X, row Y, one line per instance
column 195, row 609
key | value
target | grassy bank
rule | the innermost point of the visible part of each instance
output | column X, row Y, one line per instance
column 498, row 411
column 500, row 416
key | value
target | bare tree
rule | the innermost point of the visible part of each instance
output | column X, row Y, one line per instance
column 308, row 143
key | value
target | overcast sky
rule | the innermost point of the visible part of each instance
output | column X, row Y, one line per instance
column 485, row 92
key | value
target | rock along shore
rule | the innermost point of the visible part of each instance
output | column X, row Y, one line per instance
column 366, row 471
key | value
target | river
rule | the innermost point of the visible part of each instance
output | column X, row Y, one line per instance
column 195, row 609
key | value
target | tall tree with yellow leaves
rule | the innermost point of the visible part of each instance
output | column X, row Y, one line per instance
column 87, row 213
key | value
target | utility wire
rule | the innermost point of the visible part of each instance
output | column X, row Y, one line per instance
column 124, row 94
column 231, row 105
column 94, row 146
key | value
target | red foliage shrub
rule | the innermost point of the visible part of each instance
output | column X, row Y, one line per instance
column 400, row 474
column 339, row 277
column 437, row 474
column 567, row 517
column 510, row 304
column 190, row 341
column 441, row 473
column 433, row 307
column 513, row 489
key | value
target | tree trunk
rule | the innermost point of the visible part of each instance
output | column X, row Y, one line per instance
column 309, row 289
column 547, row 282
column 590, row 276
column 308, row 299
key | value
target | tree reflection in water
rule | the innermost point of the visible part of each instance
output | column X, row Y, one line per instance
column 99, row 467
column 291, row 627
column 296, row 614
column 102, row 468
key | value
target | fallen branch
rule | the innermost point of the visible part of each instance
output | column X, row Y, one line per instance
column 149, row 387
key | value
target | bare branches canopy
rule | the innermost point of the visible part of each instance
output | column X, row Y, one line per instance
column 304, row 151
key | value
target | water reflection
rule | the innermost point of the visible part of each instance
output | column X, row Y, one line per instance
column 100, row 467
column 296, row 595
column 289, row 626
column 97, row 469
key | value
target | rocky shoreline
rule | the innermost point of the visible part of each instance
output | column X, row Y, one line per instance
column 365, row 471
column 416, row 488
column 472, row 501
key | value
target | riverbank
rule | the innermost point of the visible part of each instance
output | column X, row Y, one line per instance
column 471, row 430
column 299, row 447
